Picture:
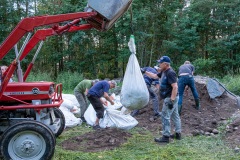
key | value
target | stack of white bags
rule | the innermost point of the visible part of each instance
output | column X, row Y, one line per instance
column 115, row 116
column 71, row 110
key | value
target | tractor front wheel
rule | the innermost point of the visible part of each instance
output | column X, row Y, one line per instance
column 28, row 140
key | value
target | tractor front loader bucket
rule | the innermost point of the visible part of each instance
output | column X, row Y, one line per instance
column 108, row 12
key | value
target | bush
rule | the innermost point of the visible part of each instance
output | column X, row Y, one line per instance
column 204, row 67
column 69, row 80
column 232, row 83
column 39, row 76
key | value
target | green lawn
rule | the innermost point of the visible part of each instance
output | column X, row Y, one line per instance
column 142, row 147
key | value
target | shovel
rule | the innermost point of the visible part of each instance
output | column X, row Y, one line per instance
column 237, row 97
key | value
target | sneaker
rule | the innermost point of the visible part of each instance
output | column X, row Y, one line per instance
column 176, row 136
column 163, row 139
column 96, row 127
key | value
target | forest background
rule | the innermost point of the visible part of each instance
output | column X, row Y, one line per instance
column 205, row 32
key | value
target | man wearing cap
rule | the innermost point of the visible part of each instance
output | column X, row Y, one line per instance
column 185, row 75
column 169, row 93
column 149, row 81
column 94, row 95
column 80, row 92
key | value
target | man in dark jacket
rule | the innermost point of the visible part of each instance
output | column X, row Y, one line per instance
column 169, row 94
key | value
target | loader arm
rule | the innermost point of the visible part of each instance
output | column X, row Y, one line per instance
column 41, row 35
column 28, row 24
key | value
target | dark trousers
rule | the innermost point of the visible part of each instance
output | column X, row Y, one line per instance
column 97, row 105
column 155, row 101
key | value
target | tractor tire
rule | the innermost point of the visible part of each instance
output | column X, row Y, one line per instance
column 59, row 114
column 28, row 140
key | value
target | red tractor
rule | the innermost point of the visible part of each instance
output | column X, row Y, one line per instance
column 30, row 117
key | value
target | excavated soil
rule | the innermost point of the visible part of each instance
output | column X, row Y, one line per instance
column 214, row 112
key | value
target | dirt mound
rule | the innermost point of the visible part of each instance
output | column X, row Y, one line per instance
column 100, row 140
column 233, row 132
column 213, row 113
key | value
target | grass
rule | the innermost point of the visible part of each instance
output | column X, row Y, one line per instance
column 142, row 147
column 232, row 83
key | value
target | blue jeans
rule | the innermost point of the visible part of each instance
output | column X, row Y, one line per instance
column 184, row 81
column 170, row 114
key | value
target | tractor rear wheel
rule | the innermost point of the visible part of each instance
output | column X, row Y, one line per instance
column 59, row 114
column 28, row 140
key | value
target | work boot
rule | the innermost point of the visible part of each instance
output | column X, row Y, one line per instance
column 197, row 107
column 134, row 113
column 96, row 127
column 176, row 136
column 163, row 139
column 179, row 109
column 83, row 119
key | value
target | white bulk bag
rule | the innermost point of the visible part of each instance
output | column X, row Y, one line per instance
column 72, row 98
column 70, row 119
column 134, row 92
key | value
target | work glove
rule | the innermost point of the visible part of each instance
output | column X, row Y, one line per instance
column 143, row 70
column 170, row 104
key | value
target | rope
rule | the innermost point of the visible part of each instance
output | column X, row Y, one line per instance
column 131, row 27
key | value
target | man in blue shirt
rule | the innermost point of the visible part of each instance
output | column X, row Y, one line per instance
column 94, row 95
column 149, row 81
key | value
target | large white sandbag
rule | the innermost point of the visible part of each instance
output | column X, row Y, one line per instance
column 134, row 92
column 115, row 119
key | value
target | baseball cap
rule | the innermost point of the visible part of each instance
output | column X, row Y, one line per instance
column 164, row 59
